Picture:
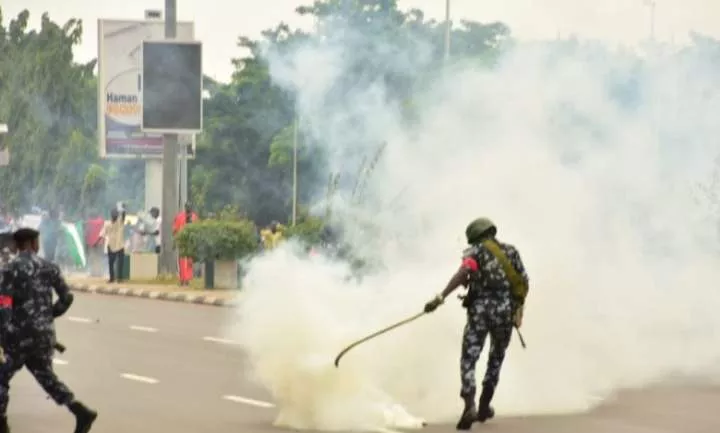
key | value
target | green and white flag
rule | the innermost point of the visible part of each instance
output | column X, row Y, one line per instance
column 75, row 244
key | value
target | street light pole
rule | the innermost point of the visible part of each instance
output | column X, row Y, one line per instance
column 447, row 31
column 295, row 171
column 168, row 262
column 651, row 4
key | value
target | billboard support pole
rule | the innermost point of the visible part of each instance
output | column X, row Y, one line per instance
column 168, row 258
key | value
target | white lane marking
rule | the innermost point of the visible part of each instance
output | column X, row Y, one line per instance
column 143, row 328
column 137, row 378
column 250, row 401
column 219, row 340
column 79, row 319
column 59, row 361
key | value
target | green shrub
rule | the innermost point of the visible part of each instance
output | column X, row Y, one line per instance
column 217, row 240
column 308, row 230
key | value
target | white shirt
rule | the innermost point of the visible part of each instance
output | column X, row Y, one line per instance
column 152, row 225
column 114, row 234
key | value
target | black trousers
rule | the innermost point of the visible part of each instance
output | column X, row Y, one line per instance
column 116, row 258
column 39, row 363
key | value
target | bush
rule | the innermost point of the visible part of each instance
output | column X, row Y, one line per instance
column 217, row 240
column 309, row 230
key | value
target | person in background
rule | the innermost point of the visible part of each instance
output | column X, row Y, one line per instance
column 93, row 230
column 134, row 234
column 50, row 230
column 185, row 264
column 113, row 233
column 151, row 231
column 272, row 236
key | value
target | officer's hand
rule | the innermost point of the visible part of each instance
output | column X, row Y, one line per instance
column 518, row 316
column 3, row 359
column 433, row 304
column 61, row 307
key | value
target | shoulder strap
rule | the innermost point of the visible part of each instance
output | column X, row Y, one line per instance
column 517, row 282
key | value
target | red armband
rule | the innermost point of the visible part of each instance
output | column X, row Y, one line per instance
column 6, row 301
column 470, row 263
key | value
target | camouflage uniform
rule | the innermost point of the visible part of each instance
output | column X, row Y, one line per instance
column 29, row 334
column 489, row 311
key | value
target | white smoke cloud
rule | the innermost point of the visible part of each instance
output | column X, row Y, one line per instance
column 603, row 208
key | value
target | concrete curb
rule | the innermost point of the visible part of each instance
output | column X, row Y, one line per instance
column 152, row 294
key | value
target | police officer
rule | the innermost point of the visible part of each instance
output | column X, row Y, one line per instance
column 497, row 285
column 28, row 339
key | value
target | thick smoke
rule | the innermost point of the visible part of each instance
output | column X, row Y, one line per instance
column 588, row 161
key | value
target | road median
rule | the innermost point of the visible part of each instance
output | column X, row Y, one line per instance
column 162, row 292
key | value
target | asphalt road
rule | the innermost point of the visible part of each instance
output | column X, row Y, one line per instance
column 153, row 366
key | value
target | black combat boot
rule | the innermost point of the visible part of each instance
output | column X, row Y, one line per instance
column 4, row 427
column 485, row 411
column 84, row 416
column 469, row 415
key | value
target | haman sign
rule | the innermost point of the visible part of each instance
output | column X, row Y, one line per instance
column 120, row 84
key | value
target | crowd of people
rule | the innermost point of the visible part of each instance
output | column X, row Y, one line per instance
column 104, row 239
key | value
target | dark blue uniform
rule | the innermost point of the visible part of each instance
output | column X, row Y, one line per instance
column 490, row 312
column 28, row 337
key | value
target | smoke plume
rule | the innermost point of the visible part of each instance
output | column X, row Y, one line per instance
column 589, row 162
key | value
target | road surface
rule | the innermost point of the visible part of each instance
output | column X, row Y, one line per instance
column 153, row 366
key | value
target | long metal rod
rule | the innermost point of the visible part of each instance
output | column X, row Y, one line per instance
column 376, row 334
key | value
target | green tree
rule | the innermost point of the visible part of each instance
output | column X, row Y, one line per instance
column 242, row 120
column 245, row 154
column 47, row 101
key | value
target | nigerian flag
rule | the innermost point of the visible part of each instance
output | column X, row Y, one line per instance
column 75, row 243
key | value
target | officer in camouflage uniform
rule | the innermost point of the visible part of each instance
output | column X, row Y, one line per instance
column 28, row 333
column 492, row 309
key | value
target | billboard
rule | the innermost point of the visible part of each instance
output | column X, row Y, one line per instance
column 172, row 88
column 120, row 132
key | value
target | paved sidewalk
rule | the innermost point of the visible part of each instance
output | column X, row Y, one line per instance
column 165, row 292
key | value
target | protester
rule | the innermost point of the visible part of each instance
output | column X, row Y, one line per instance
column 93, row 238
column 50, row 232
column 114, row 235
column 272, row 236
column 151, row 231
column 185, row 264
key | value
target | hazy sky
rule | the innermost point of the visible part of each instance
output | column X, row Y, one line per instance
column 218, row 23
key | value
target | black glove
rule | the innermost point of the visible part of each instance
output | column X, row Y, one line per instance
column 433, row 304
column 62, row 305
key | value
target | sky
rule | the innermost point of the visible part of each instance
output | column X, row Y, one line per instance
column 218, row 27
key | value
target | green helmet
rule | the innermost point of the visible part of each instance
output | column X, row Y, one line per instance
column 477, row 229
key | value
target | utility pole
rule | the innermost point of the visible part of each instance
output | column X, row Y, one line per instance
column 168, row 262
column 295, row 171
column 447, row 31
column 183, row 173
column 651, row 5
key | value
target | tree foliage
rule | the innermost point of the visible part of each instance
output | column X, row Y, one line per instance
column 47, row 101
column 245, row 155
